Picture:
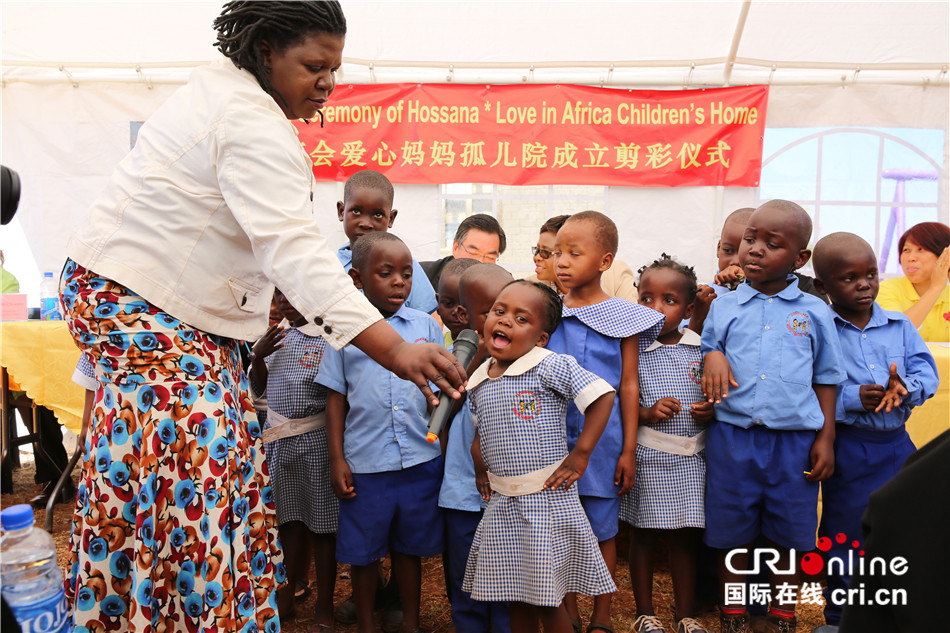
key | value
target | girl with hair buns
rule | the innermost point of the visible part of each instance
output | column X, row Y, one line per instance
column 176, row 260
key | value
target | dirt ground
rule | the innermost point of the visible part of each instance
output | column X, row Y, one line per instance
column 435, row 615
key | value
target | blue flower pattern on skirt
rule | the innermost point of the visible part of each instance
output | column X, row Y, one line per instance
column 174, row 528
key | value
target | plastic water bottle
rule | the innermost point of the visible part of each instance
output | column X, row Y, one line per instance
column 32, row 584
column 49, row 299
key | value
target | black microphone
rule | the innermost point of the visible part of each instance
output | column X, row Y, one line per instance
column 464, row 350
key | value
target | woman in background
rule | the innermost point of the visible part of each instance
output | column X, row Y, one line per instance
column 922, row 293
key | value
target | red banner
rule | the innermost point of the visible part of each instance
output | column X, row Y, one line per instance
column 541, row 134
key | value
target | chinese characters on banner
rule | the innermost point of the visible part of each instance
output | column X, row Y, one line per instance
column 541, row 134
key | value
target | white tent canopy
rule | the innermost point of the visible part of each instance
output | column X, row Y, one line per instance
column 75, row 74
column 615, row 43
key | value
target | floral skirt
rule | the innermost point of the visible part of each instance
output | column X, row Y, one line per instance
column 174, row 528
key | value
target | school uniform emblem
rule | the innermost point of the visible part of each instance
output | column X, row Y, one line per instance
column 311, row 357
column 798, row 324
column 696, row 371
column 527, row 405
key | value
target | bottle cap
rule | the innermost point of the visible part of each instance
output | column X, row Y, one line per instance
column 16, row 517
column 48, row 275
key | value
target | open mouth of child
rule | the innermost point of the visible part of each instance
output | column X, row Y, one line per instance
column 500, row 340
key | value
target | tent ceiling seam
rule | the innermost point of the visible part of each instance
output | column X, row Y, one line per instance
column 659, row 63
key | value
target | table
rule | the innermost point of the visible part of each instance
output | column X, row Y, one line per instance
column 41, row 357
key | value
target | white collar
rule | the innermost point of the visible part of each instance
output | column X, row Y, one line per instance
column 520, row 366
column 689, row 338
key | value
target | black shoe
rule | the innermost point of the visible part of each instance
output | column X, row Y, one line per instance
column 66, row 495
column 345, row 612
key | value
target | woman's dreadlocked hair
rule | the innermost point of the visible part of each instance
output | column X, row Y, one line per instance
column 242, row 25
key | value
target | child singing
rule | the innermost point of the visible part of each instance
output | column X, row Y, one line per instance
column 534, row 543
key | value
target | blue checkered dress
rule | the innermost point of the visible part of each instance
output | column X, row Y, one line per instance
column 299, row 465
column 592, row 334
column 533, row 548
column 668, row 491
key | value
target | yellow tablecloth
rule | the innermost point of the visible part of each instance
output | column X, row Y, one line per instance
column 41, row 357
column 933, row 417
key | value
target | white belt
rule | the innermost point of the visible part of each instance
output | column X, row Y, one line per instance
column 674, row 444
column 282, row 426
column 520, row 485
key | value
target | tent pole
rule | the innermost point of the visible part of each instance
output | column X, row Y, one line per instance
column 736, row 38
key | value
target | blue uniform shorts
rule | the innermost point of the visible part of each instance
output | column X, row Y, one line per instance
column 396, row 510
column 604, row 516
column 755, row 485
column 865, row 460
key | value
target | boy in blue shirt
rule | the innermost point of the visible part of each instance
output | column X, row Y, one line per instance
column 367, row 206
column 729, row 275
column 462, row 505
column 890, row 371
column 385, row 473
column 773, row 440
column 447, row 294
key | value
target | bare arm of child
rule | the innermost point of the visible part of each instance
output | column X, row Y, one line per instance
column 822, row 454
column 481, row 469
column 629, row 412
column 717, row 377
column 704, row 298
column 574, row 465
column 341, row 479
column 662, row 409
column 87, row 405
column 894, row 395
column 272, row 341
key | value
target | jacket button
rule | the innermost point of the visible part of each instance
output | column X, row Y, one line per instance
column 328, row 329
column 243, row 301
column 318, row 321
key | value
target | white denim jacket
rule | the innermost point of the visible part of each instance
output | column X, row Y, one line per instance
column 214, row 206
